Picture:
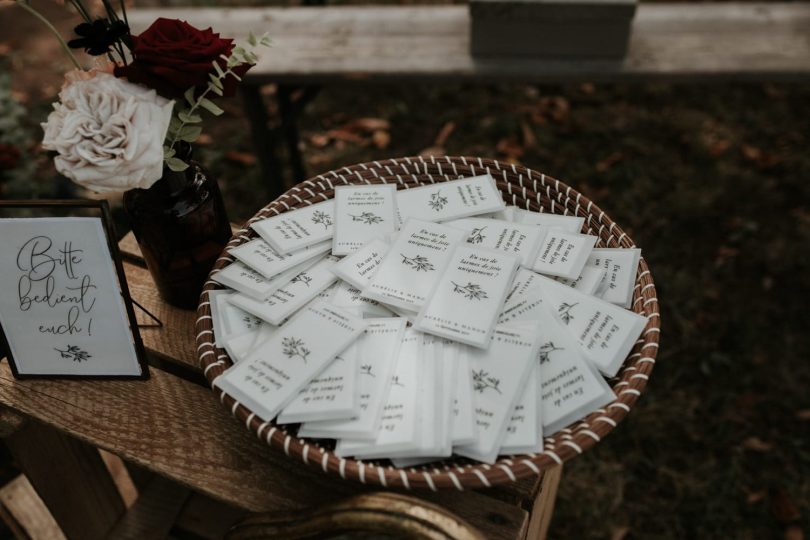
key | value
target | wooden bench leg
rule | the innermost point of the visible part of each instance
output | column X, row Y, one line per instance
column 290, row 109
column 70, row 478
column 543, row 508
column 265, row 141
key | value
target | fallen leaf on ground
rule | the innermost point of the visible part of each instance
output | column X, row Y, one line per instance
column 369, row 125
column 243, row 158
column 619, row 533
column 345, row 135
column 756, row 444
column 783, row 508
column 529, row 139
column 803, row 415
column 509, row 147
column 318, row 140
column 719, row 147
column 432, row 151
column 794, row 532
column 444, row 133
column 587, row 88
column 605, row 164
column 381, row 139
column 761, row 158
column 755, row 496
column 204, row 139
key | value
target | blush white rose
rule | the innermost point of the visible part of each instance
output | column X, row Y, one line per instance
column 108, row 132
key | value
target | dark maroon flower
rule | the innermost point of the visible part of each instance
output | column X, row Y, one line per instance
column 172, row 56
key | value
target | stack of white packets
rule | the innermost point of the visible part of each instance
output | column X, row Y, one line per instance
column 417, row 324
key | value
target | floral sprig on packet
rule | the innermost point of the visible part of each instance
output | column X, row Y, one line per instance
column 116, row 124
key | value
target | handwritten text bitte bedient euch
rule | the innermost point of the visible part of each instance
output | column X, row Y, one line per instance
column 54, row 287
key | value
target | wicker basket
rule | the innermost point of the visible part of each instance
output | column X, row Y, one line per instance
column 520, row 187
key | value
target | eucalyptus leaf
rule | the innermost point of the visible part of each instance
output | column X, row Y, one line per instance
column 218, row 69
column 168, row 152
column 177, row 165
column 189, row 133
column 251, row 39
column 216, row 81
column 215, row 89
column 189, row 95
column 209, row 106
column 189, row 118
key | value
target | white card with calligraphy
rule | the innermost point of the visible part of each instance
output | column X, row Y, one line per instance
column 413, row 265
column 499, row 375
column 61, row 307
column 399, row 427
column 468, row 296
column 359, row 267
column 620, row 267
column 444, row 201
column 302, row 288
column 378, row 350
column 299, row 228
column 516, row 239
column 606, row 332
column 261, row 257
column 563, row 254
column 229, row 321
column 572, row 224
column 277, row 370
column 329, row 396
column 589, row 281
column 363, row 213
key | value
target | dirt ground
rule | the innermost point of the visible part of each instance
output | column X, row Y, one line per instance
column 711, row 181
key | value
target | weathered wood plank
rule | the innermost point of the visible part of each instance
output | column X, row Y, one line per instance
column 543, row 508
column 69, row 476
column 206, row 518
column 28, row 511
column 120, row 476
column 379, row 43
column 154, row 512
column 176, row 429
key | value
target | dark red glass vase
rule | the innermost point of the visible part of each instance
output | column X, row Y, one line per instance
column 182, row 227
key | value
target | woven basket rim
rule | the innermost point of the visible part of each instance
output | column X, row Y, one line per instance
column 520, row 187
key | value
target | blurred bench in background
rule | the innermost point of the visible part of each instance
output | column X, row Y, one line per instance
column 316, row 46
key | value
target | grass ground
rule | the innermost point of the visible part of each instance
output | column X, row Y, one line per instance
column 712, row 183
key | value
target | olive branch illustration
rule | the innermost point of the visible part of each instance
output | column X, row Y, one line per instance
column 470, row 291
column 322, row 218
column 437, row 200
column 418, row 263
column 477, row 236
column 293, row 347
column 546, row 349
column 565, row 311
column 74, row 353
column 303, row 277
column 365, row 369
column 482, row 380
column 369, row 218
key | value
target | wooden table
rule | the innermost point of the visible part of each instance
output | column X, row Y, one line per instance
column 195, row 467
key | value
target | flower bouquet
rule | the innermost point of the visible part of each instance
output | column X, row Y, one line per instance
column 128, row 122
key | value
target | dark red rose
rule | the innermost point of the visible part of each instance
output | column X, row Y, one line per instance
column 171, row 56
column 9, row 157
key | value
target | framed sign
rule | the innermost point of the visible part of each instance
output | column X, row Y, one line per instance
column 65, row 309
